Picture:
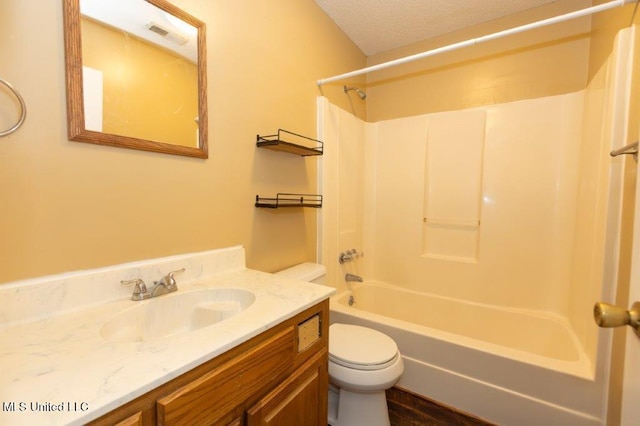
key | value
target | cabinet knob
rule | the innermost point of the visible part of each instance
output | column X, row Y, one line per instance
column 607, row 315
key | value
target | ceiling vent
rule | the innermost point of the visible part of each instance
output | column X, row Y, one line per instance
column 167, row 33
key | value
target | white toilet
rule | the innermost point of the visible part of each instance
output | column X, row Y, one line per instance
column 363, row 363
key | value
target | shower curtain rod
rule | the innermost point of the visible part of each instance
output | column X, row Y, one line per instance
column 477, row 40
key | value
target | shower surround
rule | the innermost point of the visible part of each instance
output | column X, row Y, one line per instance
column 504, row 208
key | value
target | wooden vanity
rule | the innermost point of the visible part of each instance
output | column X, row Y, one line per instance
column 279, row 377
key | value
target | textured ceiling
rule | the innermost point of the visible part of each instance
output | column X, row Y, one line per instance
column 379, row 25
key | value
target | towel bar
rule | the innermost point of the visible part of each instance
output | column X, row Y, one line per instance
column 628, row 149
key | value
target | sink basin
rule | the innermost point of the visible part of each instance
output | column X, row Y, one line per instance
column 175, row 313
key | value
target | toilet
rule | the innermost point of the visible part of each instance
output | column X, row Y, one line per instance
column 363, row 363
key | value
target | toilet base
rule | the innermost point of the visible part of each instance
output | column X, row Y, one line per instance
column 332, row 412
column 361, row 409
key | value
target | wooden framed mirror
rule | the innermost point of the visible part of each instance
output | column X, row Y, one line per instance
column 136, row 76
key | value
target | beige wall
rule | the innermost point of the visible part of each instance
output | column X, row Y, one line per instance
column 537, row 63
column 549, row 61
column 69, row 205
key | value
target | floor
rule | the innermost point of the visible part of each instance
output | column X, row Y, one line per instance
column 409, row 409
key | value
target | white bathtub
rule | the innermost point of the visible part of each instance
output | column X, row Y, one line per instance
column 509, row 366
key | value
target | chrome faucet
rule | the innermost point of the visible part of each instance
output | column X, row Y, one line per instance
column 165, row 285
column 352, row 278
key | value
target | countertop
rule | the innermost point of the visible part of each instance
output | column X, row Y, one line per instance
column 60, row 370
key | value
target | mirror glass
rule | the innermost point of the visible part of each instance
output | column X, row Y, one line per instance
column 136, row 75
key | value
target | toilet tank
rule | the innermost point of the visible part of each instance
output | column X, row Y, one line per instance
column 310, row 272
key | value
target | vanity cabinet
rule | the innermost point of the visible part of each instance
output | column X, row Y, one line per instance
column 279, row 377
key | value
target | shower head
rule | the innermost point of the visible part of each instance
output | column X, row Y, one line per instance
column 355, row 89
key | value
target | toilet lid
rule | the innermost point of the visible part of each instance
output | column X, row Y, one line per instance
column 360, row 348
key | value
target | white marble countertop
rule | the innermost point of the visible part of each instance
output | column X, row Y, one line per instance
column 59, row 370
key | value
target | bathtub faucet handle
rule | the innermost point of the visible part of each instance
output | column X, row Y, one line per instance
column 349, row 255
column 345, row 257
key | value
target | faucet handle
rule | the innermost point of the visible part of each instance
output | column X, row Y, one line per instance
column 170, row 281
column 140, row 288
column 355, row 254
column 349, row 255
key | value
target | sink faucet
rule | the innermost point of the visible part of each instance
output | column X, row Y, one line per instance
column 353, row 278
column 165, row 285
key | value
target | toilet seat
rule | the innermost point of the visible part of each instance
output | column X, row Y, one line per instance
column 361, row 348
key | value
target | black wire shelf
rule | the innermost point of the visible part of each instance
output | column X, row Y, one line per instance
column 297, row 144
column 289, row 200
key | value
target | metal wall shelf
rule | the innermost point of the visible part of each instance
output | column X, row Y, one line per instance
column 299, row 147
column 289, row 200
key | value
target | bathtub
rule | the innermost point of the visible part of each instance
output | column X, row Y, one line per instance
column 508, row 366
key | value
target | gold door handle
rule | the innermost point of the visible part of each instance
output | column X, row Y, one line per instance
column 607, row 315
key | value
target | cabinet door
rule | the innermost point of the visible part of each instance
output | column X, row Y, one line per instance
column 236, row 422
column 212, row 397
column 135, row 420
column 300, row 400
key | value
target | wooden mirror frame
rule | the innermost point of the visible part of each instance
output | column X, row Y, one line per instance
column 75, row 103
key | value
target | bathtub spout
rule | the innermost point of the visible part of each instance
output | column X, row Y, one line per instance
column 353, row 278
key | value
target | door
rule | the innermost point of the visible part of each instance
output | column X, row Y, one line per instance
column 631, row 381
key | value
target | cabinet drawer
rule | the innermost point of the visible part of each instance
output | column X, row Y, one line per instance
column 207, row 399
